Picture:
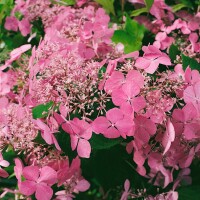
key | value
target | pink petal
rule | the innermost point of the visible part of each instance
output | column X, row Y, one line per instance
column 67, row 127
column 47, row 136
column 111, row 133
column 114, row 82
column 168, row 137
column 84, row 148
column 138, row 103
column 82, row 186
column 141, row 170
column 142, row 63
column 125, row 125
column 24, row 27
column 31, row 173
column 139, row 158
column 4, row 163
column 165, row 60
column 16, row 53
column 56, row 143
column 187, row 160
column 126, row 185
column 43, row 192
column 48, row 175
column 18, row 168
column 136, row 77
column 3, row 173
column 27, row 187
column 152, row 67
column 74, row 141
column 114, row 115
column 100, row 125
column 131, row 89
column 172, row 195
column 11, row 23
column 119, row 97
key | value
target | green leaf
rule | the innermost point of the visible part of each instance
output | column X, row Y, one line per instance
column 41, row 110
column 100, row 142
column 108, row 5
column 178, row 7
column 188, row 3
column 65, row 2
column 189, row 192
column 139, row 11
column 173, row 52
column 187, row 61
column 129, row 43
column 131, row 37
column 148, row 3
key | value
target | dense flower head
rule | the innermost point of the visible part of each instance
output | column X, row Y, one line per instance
column 16, row 127
column 77, row 90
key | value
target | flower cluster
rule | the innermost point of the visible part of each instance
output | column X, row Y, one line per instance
column 78, row 84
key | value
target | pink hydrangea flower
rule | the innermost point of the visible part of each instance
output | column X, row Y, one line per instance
column 38, row 181
column 80, row 132
column 163, row 41
column 124, row 97
column 114, row 125
column 192, row 95
column 47, row 133
column 151, row 59
column 144, row 128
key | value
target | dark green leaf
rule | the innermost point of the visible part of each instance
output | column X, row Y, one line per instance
column 188, row 3
column 41, row 110
column 100, row 142
column 189, row 192
column 173, row 52
column 187, row 61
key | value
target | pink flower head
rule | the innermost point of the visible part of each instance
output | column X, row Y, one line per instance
column 38, row 181
column 114, row 124
column 3, row 163
column 151, row 59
